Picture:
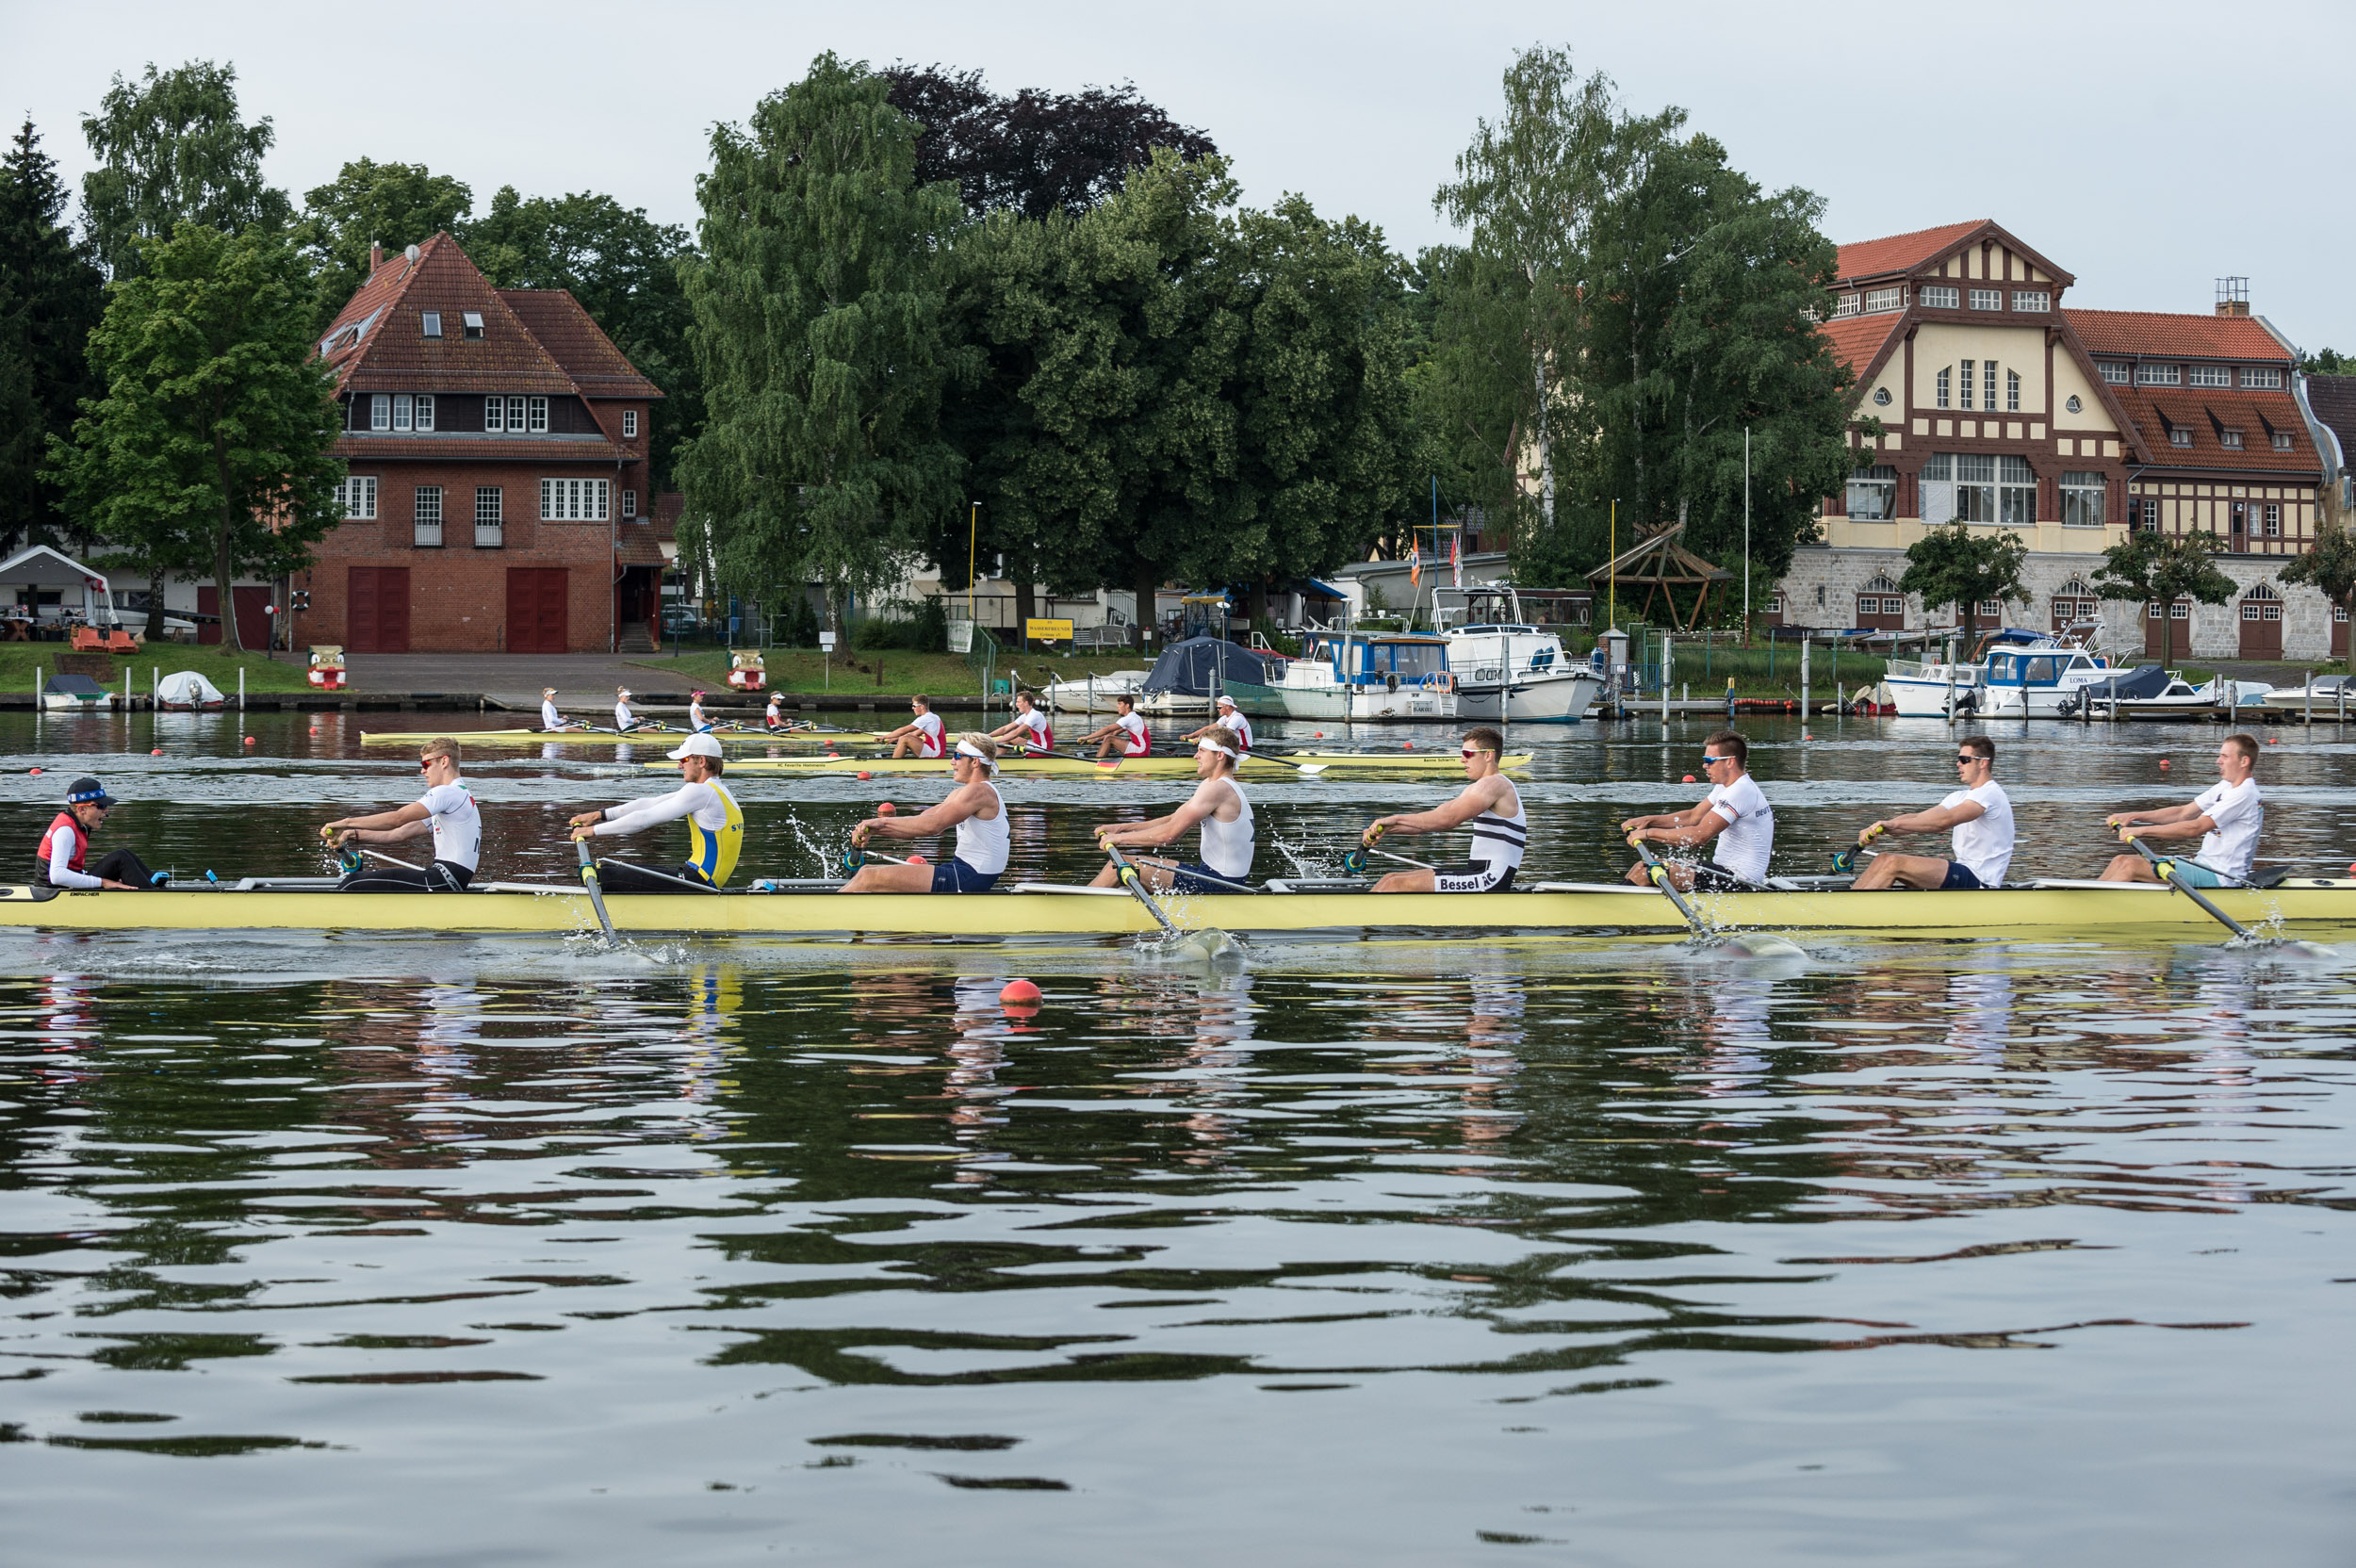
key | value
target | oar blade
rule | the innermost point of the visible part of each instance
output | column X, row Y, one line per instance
column 597, row 893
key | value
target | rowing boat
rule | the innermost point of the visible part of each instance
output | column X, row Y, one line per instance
column 1181, row 766
column 1030, row 910
column 755, row 737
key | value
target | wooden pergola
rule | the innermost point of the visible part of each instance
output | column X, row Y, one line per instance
column 1659, row 565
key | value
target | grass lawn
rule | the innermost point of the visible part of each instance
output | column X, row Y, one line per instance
column 892, row 672
column 289, row 672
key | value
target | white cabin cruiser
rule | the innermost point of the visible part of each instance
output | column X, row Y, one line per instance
column 1359, row 678
column 1095, row 693
column 1509, row 670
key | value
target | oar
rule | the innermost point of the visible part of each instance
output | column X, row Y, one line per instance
column 1209, row 940
column 2168, row 874
column 597, row 893
column 1307, row 769
column 1355, row 862
column 858, row 854
column 1660, row 875
column 689, row 884
column 1846, row 859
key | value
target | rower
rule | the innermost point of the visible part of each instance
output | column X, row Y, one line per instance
column 774, row 718
column 446, row 811
column 1030, row 727
column 1231, row 719
column 1501, row 828
column 2228, row 815
column 922, row 736
column 549, row 718
column 695, row 720
column 1981, row 814
column 975, row 808
column 58, row 861
column 1127, row 731
column 1220, row 805
column 1734, row 812
column 623, row 723
column 715, row 825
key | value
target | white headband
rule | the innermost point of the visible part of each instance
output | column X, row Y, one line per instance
column 967, row 748
column 1212, row 744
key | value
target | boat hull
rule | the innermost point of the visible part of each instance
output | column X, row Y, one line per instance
column 1178, row 766
column 1602, row 910
column 1542, row 697
column 607, row 738
column 1923, row 698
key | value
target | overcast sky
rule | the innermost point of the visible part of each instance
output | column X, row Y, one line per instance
column 2148, row 148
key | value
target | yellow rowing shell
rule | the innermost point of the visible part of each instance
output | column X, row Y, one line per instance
column 607, row 738
column 1181, row 766
column 1570, row 911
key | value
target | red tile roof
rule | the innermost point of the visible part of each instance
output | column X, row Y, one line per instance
column 387, row 349
column 578, row 343
column 2205, row 411
column 461, row 447
column 2150, row 332
column 1857, row 339
column 1902, row 252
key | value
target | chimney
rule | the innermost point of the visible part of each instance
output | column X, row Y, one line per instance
column 376, row 258
column 2232, row 296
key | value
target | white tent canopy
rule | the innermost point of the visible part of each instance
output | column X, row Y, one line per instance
column 43, row 567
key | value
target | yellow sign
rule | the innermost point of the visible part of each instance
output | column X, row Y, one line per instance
column 1042, row 630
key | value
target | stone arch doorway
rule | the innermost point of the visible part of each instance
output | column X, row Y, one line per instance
column 2262, row 623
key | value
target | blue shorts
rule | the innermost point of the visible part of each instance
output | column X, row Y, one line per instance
column 1193, row 876
column 956, row 876
column 1960, row 875
column 2193, row 874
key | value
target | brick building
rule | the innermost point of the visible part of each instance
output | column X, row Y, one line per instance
column 1999, row 407
column 496, row 446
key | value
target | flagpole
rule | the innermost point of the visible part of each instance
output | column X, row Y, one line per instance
column 1747, row 536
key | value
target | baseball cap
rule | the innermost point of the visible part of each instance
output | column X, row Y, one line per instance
column 1226, row 701
column 696, row 745
column 87, row 790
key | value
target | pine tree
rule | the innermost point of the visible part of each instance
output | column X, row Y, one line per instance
column 51, row 297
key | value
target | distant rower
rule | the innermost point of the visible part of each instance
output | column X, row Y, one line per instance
column 1030, row 727
column 715, row 827
column 774, row 718
column 1501, row 828
column 2228, row 815
column 622, row 719
column 975, row 808
column 1126, row 734
column 549, row 717
column 1231, row 719
column 1981, row 814
column 695, row 720
column 58, row 863
column 922, row 736
column 1734, row 812
column 1221, row 808
column 446, row 811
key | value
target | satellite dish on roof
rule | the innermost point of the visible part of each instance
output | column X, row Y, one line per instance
column 411, row 253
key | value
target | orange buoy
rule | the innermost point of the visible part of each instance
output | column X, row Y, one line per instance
column 157, row 752
column 2274, row 740
column 36, row 769
column 249, row 740
column 2164, row 761
column 885, row 810
column 916, row 860
column 864, row 774
column 1806, row 737
column 1020, row 991
column 1689, row 778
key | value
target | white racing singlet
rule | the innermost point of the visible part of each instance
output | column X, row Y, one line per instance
column 932, row 740
column 1228, row 847
column 1498, row 841
column 983, row 843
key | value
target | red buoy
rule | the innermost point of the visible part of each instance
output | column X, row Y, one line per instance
column 1020, row 991
column 2164, row 761
column 864, row 774
column 1410, row 746
column 916, row 860
column 157, row 752
column 36, row 769
column 249, row 740
column 885, row 810
column 1689, row 778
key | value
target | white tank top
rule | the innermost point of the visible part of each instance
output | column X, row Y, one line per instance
column 1500, row 839
column 549, row 717
column 982, row 842
column 1227, row 847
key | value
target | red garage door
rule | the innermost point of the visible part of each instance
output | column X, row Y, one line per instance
column 377, row 619
column 535, row 609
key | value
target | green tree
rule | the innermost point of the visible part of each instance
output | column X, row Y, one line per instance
column 210, row 449
column 626, row 270
column 1471, row 385
column 2157, row 570
column 392, row 205
column 818, row 307
column 2330, row 567
column 171, row 149
column 51, row 297
column 2327, row 362
column 1951, row 564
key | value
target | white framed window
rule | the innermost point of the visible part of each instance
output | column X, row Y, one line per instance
column 2180, row 435
column 630, row 424
column 489, row 505
column 356, row 495
column 2082, row 495
column 574, row 500
column 426, row 513
column 516, row 416
column 1943, row 375
column 1994, row 608
column 1880, row 300
column 1936, row 297
column 2012, row 391
column 1975, row 488
column 1987, row 299
column 1846, row 304
column 2158, row 375
column 431, row 322
column 1987, row 385
column 2032, row 300
column 425, row 411
column 2253, row 375
column 1874, row 495
column 494, row 414
column 2180, row 611
column 403, row 410
column 1963, row 387
column 2115, row 374
column 2151, row 517
column 2282, row 441
column 2273, row 519
column 2015, row 492
column 472, row 320
column 629, row 503
column 536, row 417
column 2212, row 375
column 2230, row 440
column 381, row 411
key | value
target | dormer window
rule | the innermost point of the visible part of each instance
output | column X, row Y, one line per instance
column 1880, row 300
column 2281, row 440
column 1936, row 297
column 2032, row 300
column 2253, row 376
column 1846, row 305
column 2178, row 436
column 2230, row 440
column 2116, row 373
column 432, row 321
column 2212, row 375
column 2158, row 375
column 473, row 320
column 1987, row 299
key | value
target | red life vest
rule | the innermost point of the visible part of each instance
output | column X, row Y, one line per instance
column 66, row 823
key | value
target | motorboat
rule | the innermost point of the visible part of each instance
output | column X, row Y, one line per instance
column 2331, row 696
column 1094, row 694
column 2149, row 692
column 1348, row 676
column 1188, row 678
column 1509, row 670
column 1922, row 689
column 71, row 693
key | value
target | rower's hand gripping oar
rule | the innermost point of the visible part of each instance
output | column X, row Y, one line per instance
column 2169, row 874
column 1354, row 863
column 1844, row 862
column 1659, row 874
column 597, row 893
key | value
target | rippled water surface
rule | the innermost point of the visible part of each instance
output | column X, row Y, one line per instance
column 337, row 1250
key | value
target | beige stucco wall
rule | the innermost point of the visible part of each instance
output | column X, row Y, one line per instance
column 1938, row 344
column 2050, row 538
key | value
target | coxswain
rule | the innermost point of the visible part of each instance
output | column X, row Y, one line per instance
column 1030, row 727
column 551, row 720
column 1501, row 828
column 1126, row 735
column 1981, row 814
column 975, row 808
column 1734, row 812
column 695, row 720
column 774, row 718
column 1221, row 808
column 2228, row 815
column 922, row 736
column 1231, row 719
column 623, row 722
column 446, row 811
column 715, row 827
column 58, row 861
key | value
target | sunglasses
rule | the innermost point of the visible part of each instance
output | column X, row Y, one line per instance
column 1709, row 761
column 1479, row 751
column 1966, row 757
